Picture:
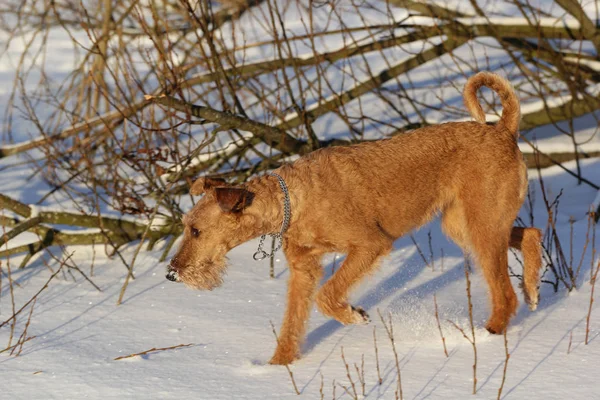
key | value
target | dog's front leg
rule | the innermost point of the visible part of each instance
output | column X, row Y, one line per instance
column 305, row 272
column 332, row 297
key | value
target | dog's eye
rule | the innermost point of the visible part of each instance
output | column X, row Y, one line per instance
column 195, row 232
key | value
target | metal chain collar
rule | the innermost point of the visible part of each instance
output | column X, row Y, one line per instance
column 287, row 214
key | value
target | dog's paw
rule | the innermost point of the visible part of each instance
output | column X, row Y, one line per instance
column 283, row 359
column 360, row 316
column 532, row 299
column 495, row 328
column 531, row 295
column 532, row 305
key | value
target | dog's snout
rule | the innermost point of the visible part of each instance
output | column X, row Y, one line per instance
column 172, row 275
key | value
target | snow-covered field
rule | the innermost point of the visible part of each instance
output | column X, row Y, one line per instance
column 79, row 331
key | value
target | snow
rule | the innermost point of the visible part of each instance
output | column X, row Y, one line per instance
column 79, row 331
column 594, row 65
column 563, row 22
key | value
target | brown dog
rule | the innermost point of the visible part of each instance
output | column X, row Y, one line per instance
column 358, row 199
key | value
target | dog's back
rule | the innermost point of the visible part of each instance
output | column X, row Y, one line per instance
column 395, row 185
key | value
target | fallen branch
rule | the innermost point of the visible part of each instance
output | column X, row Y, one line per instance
column 546, row 160
column 115, row 230
column 588, row 27
column 428, row 9
column 384, row 76
column 566, row 111
column 20, row 228
column 537, row 153
column 272, row 136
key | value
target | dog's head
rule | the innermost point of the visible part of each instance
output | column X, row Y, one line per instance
column 216, row 224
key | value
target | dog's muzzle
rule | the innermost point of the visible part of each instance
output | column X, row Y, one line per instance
column 172, row 275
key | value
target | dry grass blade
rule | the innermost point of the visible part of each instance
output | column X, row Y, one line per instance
column 354, row 394
column 18, row 344
column 23, row 338
column 412, row 238
column 589, row 314
column 360, row 372
column 321, row 387
column 32, row 299
column 153, row 350
column 333, row 389
column 473, row 342
column 379, row 380
column 390, row 332
column 471, row 339
column 437, row 318
column 507, row 356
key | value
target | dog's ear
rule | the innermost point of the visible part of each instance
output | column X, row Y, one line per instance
column 233, row 199
column 204, row 184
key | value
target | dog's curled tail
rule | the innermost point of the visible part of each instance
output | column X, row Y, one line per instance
column 511, row 110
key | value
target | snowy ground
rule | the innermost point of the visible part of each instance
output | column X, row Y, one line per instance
column 79, row 331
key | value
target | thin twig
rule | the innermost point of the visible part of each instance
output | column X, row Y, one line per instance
column 154, row 350
column 23, row 336
column 17, row 344
column 321, row 387
column 473, row 343
column 507, row 354
column 390, row 332
column 431, row 258
column 437, row 318
column 286, row 366
column 353, row 394
column 419, row 250
column 589, row 314
column 377, row 357
column 333, row 389
column 14, row 315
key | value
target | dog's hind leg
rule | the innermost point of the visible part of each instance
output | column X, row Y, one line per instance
column 305, row 273
column 528, row 241
column 332, row 297
column 487, row 240
column 490, row 246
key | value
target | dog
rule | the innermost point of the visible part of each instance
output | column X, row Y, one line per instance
column 358, row 199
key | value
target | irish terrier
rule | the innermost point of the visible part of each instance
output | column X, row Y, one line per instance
column 359, row 199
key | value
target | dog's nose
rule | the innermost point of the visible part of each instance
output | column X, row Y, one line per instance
column 172, row 275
